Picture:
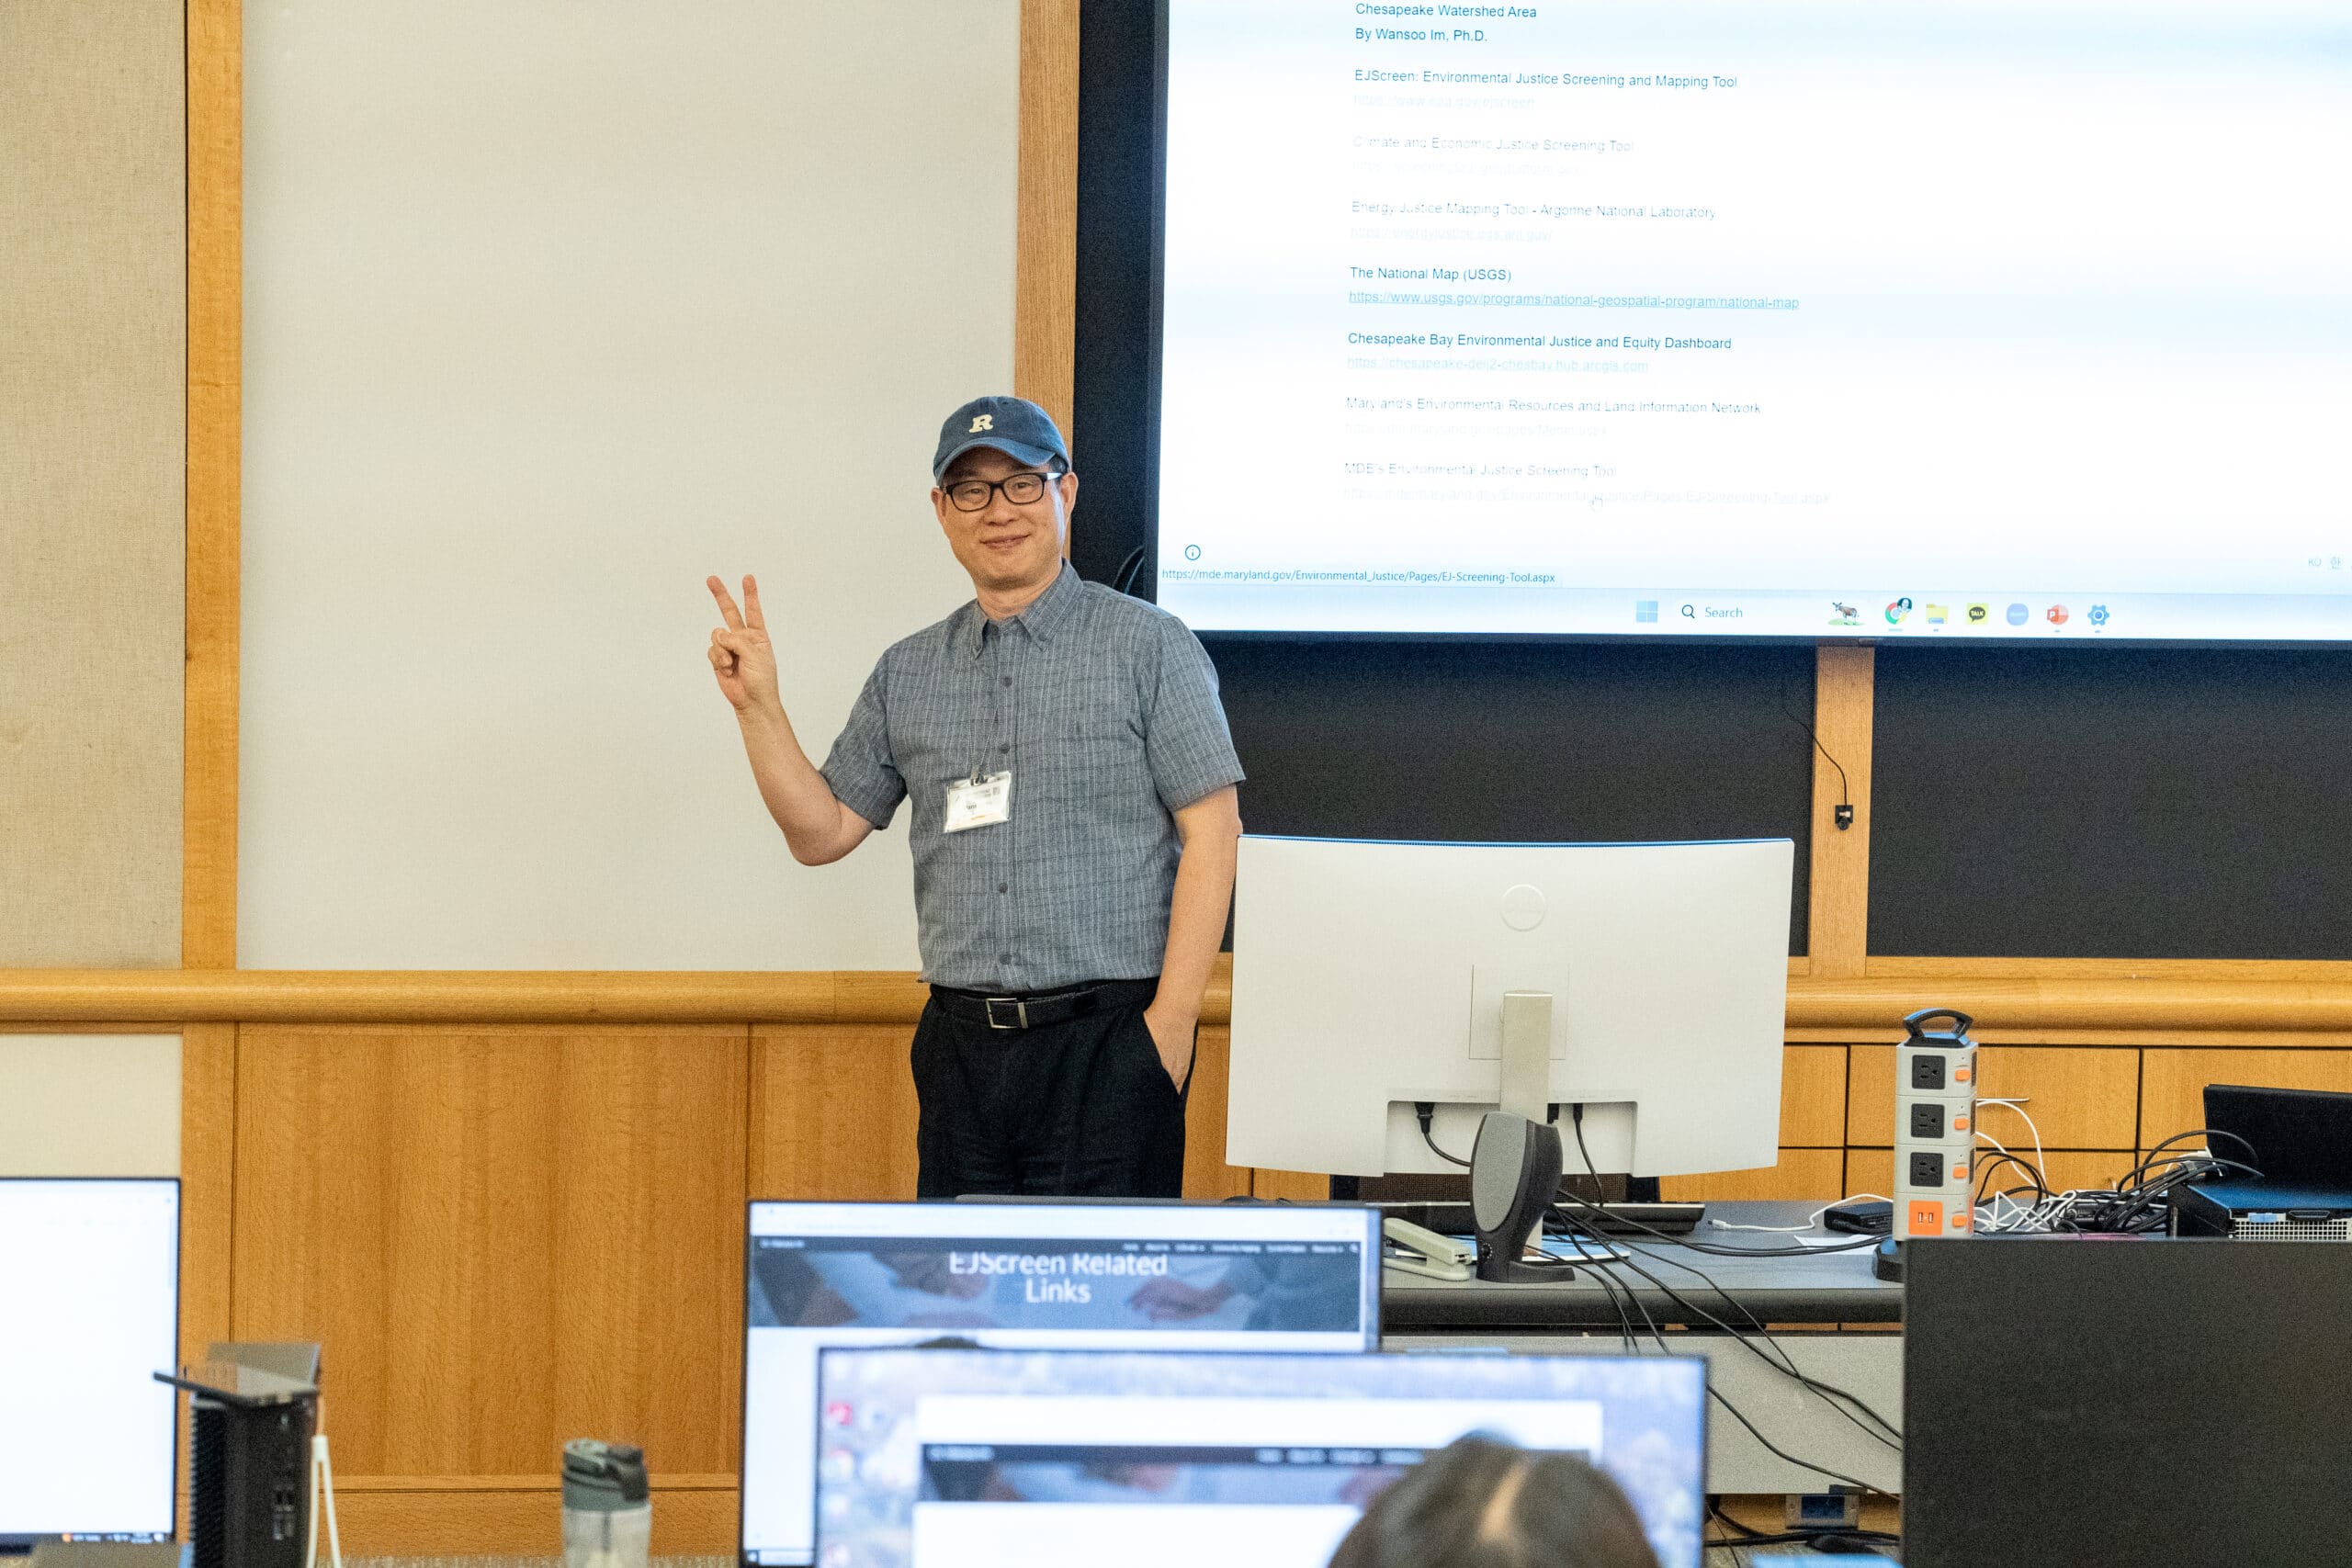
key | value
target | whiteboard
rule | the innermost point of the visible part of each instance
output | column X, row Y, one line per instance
column 550, row 310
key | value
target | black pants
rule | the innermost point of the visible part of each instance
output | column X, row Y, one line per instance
column 1080, row 1107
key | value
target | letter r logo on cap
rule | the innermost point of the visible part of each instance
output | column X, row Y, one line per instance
column 982, row 422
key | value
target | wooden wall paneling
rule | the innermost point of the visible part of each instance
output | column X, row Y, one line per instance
column 516, row 1516
column 1299, row 1186
column 1206, row 1175
column 2081, row 1098
column 395, row 1191
column 208, row 1210
column 466, row 1218
column 832, row 1111
column 1812, row 1097
column 208, row 1174
column 215, row 348
column 1044, row 319
column 1801, row 1173
column 649, row 1243
column 1840, row 900
column 2172, row 1083
column 812, row 1084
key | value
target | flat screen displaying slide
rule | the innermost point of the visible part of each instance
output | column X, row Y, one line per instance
column 1225, row 1277
column 1961, row 318
column 1073, row 1458
column 90, row 1314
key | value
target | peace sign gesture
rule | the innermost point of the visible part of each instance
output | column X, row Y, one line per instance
column 741, row 654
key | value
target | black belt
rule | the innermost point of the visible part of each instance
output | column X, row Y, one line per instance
column 1036, row 1010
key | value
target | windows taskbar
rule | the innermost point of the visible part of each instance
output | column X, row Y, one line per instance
column 1357, row 608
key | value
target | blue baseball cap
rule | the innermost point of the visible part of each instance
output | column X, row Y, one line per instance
column 1014, row 426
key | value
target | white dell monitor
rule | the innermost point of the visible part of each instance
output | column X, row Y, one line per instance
column 1241, row 1277
column 90, row 1314
column 1648, row 984
column 995, row 1459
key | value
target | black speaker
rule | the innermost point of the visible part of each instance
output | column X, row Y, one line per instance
column 1515, row 1170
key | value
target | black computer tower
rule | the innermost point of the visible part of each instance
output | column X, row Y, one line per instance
column 249, row 1496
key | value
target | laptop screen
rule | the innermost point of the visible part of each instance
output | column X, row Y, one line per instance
column 90, row 1314
column 1177, row 1276
column 1058, row 1459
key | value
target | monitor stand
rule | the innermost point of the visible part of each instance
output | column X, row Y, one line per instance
column 1527, row 1055
column 1525, row 1089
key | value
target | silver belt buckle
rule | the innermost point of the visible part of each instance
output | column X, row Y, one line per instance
column 1020, row 1012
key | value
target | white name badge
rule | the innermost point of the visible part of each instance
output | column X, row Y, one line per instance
column 978, row 803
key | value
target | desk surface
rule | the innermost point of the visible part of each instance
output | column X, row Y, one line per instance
column 1810, row 1288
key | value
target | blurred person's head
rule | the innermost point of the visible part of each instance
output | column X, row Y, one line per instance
column 1483, row 1504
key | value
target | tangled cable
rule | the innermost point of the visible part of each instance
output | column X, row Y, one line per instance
column 2139, row 1202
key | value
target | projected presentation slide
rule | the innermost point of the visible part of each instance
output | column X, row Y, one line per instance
column 964, row 1459
column 90, row 1314
column 1110, row 1276
column 1962, row 319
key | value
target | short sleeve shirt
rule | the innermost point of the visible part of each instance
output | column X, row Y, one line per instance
column 1104, row 710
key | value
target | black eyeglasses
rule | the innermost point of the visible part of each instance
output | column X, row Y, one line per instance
column 1024, row 489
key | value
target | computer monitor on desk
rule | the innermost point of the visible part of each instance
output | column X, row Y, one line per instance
column 1646, row 984
column 1046, row 1459
column 1158, row 1277
column 90, row 1314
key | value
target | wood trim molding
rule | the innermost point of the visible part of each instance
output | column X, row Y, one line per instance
column 552, row 1482
column 215, row 336
column 503, row 1515
column 2215, row 970
column 2212, row 1009
column 1044, row 345
column 208, row 1182
column 1840, row 897
column 1868, row 1007
column 2151, row 1037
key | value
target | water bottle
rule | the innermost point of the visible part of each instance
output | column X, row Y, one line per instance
column 608, row 1512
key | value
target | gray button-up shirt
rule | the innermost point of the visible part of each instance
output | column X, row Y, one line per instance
column 1104, row 710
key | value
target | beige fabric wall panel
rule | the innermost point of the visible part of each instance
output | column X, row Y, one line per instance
column 551, row 310
column 93, row 358
column 89, row 1105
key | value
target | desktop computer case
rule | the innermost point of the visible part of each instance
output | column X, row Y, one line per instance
column 249, row 1484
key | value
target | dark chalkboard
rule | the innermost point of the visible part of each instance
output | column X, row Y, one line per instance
column 1115, row 420
column 2084, row 802
column 1522, row 741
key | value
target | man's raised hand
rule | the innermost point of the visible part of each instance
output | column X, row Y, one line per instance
column 740, row 655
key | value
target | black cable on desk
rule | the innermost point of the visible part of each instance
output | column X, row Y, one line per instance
column 1835, row 1397
column 1774, row 1448
column 1786, row 1365
column 1831, row 1394
column 1609, row 1287
column 1991, row 1160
